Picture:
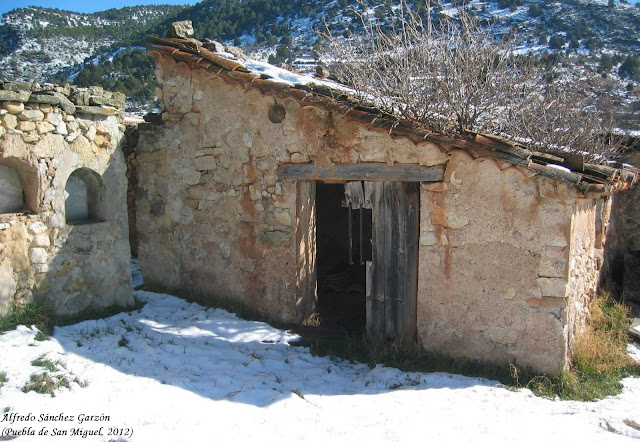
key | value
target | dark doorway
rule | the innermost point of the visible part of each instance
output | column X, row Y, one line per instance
column 343, row 243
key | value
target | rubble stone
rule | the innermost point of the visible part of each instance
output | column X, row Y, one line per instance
column 12, row 107
column 31, row 115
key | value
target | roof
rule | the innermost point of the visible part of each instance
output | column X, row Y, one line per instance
column 590, row 179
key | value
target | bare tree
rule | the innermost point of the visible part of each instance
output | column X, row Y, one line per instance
column 457, row 77
column 387, row 66
column 453, row 72
column 566, row 116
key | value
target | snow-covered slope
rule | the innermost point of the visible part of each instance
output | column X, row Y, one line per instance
column 36, row 43
column 45, row 44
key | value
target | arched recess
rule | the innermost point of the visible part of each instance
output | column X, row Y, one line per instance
column 19, row 186
column 11, row 193
column 85, row 198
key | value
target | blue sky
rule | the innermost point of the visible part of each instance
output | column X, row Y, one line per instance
column 86, row 5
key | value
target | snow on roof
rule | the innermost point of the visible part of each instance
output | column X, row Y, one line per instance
column 280, row 75
column 285, row 76
column 557, row 166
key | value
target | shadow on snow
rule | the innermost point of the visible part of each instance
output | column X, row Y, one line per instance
column 214, row 354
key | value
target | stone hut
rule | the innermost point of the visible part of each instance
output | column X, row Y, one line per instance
column 63, row 208
column 284, row 193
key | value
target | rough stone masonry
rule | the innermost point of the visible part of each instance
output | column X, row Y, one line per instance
column 63, row 212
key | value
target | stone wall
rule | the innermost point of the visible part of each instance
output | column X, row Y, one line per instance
column 213, row 218
column 586, row 257
column 508, row 264
column 52, row 136
column 623, row 251
column 491, row 280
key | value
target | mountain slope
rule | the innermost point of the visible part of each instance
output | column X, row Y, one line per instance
column 104, row 48
column 36, row 43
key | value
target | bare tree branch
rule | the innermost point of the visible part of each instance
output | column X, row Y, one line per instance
column 456, row 76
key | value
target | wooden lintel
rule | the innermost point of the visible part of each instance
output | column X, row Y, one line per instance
column 362, row 172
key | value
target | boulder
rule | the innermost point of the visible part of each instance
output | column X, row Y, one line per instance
column 117, row 100
column 43, row 98
column 17, row 86
column 96, row 110
column 213, row 45
column 64, row 103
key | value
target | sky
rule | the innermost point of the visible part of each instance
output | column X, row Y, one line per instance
column 86, row 6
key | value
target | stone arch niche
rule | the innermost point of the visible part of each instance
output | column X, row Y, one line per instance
column 11, row 193
column 19, row 186
column 85, row 197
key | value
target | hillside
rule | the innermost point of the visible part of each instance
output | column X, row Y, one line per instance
column 105, row 48
column 37, row 43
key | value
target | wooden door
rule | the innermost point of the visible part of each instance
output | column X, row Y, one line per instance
column 392, row 275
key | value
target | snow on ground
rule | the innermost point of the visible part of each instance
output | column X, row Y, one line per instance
column 132, row 118
column 177, row 371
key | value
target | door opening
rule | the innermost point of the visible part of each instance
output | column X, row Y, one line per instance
column 343, row 241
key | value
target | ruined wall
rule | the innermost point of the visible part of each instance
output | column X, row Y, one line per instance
column 47, row 135
column 505, row 264
column 622, row 258
column 626, row 223
column 129, row 144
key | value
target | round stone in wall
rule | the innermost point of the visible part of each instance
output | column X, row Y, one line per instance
column 277, row 113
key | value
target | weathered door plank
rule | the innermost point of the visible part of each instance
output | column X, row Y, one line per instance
column 412, row 226
column 391, row 301
column 391, row 258
column 375, row 310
